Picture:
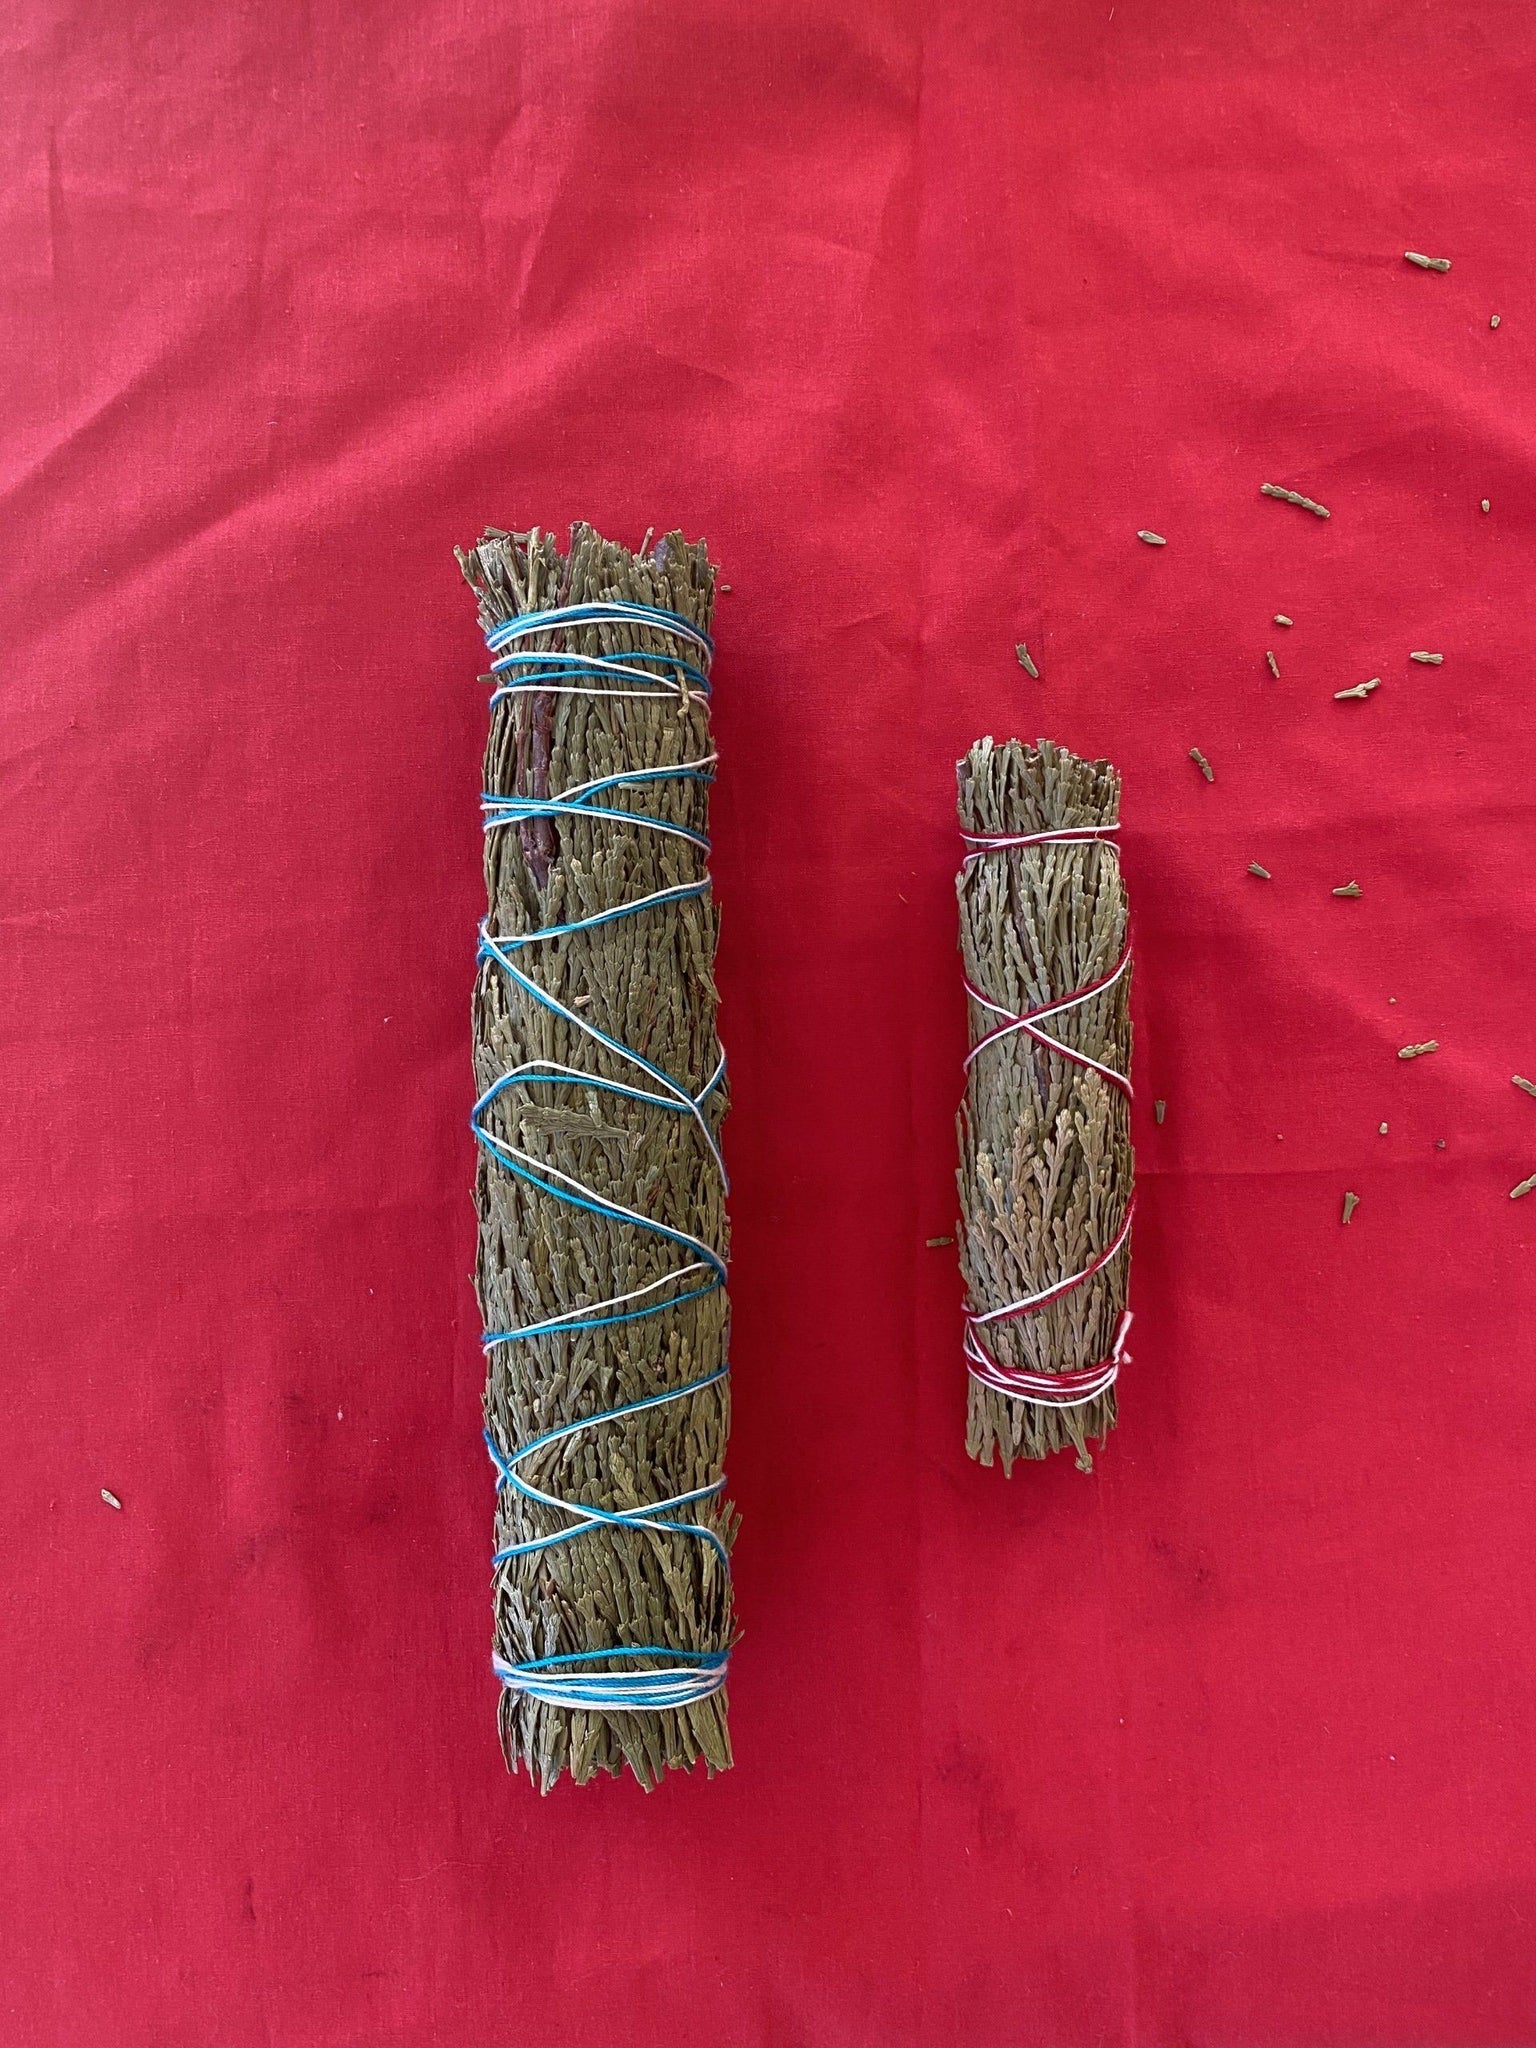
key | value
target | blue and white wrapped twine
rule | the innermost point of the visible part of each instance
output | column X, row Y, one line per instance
column 551, row 1429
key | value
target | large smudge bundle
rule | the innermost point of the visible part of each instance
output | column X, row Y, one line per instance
column 1046, row 1171
column 600, row 1188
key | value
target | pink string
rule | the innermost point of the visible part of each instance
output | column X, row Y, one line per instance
column 1063, row 1389
column 1058, row 1288
column 1065, row 835
column 1029, row 1023
column 1050, row 1389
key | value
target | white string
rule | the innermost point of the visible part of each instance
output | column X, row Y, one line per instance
column 1030, row 1301
column 599, row 613
column 1037, row 1388
column 645, row 1691
column 602, row 664
column 671, row 1685
column 501, row 811
column 1038, row 1392
column 983, row 843
column 679, row 1096
column 1030, row 1024
column 588, row 1310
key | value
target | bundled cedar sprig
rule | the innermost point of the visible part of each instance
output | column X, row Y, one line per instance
column 1046, row 1171
column 644, row 980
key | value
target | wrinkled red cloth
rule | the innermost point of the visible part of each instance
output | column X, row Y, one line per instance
column 918, row 312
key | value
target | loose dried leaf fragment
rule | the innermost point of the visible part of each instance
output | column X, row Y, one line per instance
column 1295, row 498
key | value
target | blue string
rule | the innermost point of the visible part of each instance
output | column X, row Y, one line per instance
column 518, row 810
column 632, row 775
column 585, row 1080
column 638, row 1519
column 594, row 1205
column 556, row 1325
column 677, row 1096
column 588, row 790
column 572, row 666
column 694, row 1674
column 705, row 1657
column 598, row 613
column 515, row 940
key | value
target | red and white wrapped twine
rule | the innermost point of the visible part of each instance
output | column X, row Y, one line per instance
column 1072, row 1389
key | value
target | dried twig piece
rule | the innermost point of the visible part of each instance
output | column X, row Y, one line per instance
column 1202, row 764
column 1427, row 262
column 1274, row 666
column 603, row 1233
column 1045, row 1155
column 1361, row 690
column 1349, row 889
column 1429, row 660
column 1295, row 498
column 1415, row 1052
column 1524, row 1188
column 1520, row 1081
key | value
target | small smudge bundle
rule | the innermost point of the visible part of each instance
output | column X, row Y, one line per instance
column 1046, row 1173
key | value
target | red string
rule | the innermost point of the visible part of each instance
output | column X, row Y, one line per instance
column 1051, row 1389
column 1029, row 1023
column 1066, row 835
column 1063, row 1389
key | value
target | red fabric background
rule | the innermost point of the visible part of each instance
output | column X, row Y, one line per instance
column 918, row 312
